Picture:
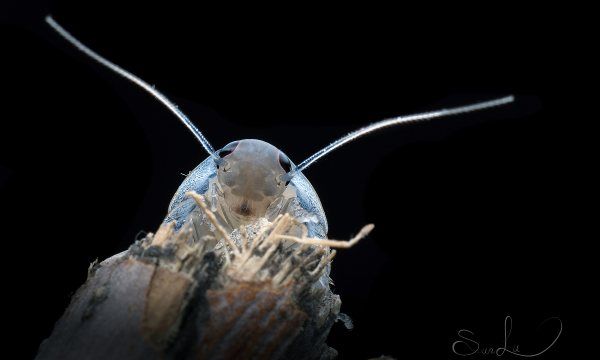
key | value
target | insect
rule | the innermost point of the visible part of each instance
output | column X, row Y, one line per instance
column 251, row 179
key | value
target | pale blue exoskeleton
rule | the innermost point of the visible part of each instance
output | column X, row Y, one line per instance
column 250, row 179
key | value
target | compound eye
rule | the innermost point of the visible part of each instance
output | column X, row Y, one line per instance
column 285, row 163
column 228, row 149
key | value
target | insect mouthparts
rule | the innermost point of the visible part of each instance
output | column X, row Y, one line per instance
column 245, row 208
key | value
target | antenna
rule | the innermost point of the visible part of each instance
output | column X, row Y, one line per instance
column 131, row 77
column 401, row 120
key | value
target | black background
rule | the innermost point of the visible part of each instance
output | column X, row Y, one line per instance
column 477, row 216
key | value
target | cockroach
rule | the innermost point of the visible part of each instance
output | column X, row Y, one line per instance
column 251, row 179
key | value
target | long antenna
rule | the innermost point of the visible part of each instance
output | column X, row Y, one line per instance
column 401, row 120
column 131, row 77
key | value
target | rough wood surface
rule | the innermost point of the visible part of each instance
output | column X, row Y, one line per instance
column 255, row 295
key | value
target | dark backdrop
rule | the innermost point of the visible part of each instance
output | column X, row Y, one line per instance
column 477, row 216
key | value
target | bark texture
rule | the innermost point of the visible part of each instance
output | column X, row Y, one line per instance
column 257, row 294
